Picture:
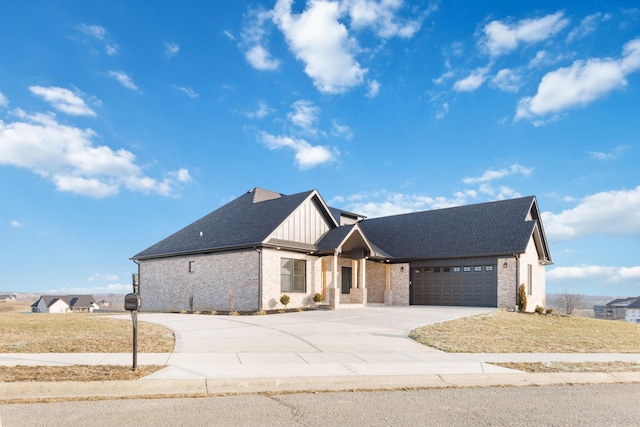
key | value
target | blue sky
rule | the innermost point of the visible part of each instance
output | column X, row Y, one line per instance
column 121, row 122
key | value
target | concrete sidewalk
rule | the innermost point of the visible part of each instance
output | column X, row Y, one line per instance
column 317, row 350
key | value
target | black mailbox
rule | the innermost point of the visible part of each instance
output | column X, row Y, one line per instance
column 131, row 302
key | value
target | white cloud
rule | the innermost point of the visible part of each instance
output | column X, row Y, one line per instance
column 16, row 224
column 381, row 16
column 171, row 49
column 443, row 111
column 374, row 89
column 383, row 203
column 307, row 155
column 112, row 288
column 63, row 100
column 587, row 26
column 491, row 175
column 4, row 101
column 261, row 112
column 253, row 42
column 260, row 59
column 597, row 272
column 111, row 49
column 580, row 84
column 229, row 35
column 305, row 116
column 96, row 31
column 611, row 155
column 100, row 276
column 100, row 33
column 67, row 156
column 188, row 91
column 473, row 81
column 614, row 213
column 123, row 79
column 321, row 41
column 501, row 38
column 342, row 131
column 507, row 80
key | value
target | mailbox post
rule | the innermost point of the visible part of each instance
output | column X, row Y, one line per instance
column 132, row 303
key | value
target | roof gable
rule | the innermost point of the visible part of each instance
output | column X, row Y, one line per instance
column 244, row 222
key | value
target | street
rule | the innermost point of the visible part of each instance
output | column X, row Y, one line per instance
column 591, row 405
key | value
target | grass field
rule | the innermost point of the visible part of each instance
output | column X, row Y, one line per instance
column 508, row 332
column 76, row 333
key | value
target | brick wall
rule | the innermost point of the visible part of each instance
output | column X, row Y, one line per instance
column 224, row 281
column 271, row 279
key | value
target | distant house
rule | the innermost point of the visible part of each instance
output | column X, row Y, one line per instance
column 246, row 254
column 618, row 307
column 64, row 304
column 632, row 313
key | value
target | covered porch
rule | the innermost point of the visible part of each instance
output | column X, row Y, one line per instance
column 357, row 273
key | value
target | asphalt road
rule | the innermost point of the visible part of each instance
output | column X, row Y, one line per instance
column 595, row 405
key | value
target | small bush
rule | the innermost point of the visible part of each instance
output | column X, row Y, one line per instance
column 317, row 298
column 522, row 298
column 539, row 309
column 284, row 300
column 550, row 311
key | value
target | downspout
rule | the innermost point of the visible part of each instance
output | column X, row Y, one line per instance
column 517, row 257
column 137, row 291
column 259, row 278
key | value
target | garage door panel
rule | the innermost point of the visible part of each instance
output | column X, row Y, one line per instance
column 468, row 286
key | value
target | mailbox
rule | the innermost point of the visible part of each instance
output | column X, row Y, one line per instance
column 131, row 302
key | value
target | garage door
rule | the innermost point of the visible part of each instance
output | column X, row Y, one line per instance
column 474, row 286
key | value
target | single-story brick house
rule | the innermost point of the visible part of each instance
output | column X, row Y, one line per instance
column 64, row 304
column 246, row 254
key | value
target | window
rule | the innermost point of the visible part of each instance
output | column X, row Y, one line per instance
column 489, row 268
column 529, row 279
column 436, row 269
column 467, row 269
column 456, row 269
column 447, row 269
column 477, row 268
column 192, row 266
column 293, row 275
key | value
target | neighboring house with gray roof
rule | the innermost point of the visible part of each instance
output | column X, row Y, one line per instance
column 632, row 313
column 246, row 254
column 64, row 304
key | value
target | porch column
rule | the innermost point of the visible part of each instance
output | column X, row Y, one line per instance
column 388, row 293
column 333, row 291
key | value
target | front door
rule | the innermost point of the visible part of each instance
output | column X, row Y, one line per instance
column 346, row 280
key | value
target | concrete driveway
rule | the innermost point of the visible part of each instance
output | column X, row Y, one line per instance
column 362, row 329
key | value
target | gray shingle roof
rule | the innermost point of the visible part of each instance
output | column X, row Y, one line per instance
column 494, row 228
column 73, row 301
column 474, row 230
column 242, row 222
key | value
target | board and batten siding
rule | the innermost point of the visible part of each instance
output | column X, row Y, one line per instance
column 305, row 225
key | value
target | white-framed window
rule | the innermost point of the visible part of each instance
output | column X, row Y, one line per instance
column 488, row 268
column 456, row 269
column 477, row 268
column 293, row 275
column 192, row 266
column 529, row 279
column 467, row 269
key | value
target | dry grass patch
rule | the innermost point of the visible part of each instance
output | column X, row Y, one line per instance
column 79, row 333
column 550, row 367
column 508, row 332
column 74, row 373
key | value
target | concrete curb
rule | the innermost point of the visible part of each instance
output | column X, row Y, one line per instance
column 215, row 386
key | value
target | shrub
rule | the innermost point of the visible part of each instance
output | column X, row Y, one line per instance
column 539, row 309
column 317, row 298
column 522, row 298
column 550, row 311
column 284, row 300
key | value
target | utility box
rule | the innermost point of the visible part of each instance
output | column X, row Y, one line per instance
column 131, row 302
